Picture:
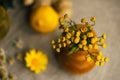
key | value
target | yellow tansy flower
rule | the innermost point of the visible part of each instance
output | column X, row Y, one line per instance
column 87, row 23
column 68, row 35
column 102, row 40
column 98, row 57
column 89, row 59
column 97, row 63
column 84, row 37
column 78, row 33
column 103, row 59
column 66, row 29
column 96, row 39
column 95, row 46
column 54, row 46
column 85, row 48
column 36, row 60
column 76, row 40
column 90, row 46
column 63, row 39
column 93, row 19
column 66, row 16
column 104, row 45
column 59, row 45
column 83, row 20
column 72, row 32
column 57, row 49
column 80, row 45
column 100, row 53
column 61, row 19
column 101, row 64
column 84, row 42
column 90, row 34
column 104, row 36
column 68, row 42
column 59, row 40
column 72, row 39
column 64, row 44
column 52, row 42
column 84, row 29
column 93, row 40
column 90, row 27
column 106, row 59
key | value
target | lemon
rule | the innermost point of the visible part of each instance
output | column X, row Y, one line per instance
column 44, row 19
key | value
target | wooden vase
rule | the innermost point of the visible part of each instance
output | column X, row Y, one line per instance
column 75, row 63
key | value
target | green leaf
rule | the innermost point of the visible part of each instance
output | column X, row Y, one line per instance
column 73, row 49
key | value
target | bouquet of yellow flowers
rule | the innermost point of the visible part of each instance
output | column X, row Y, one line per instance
column 78, row 45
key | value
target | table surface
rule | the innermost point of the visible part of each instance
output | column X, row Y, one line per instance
column 107, row 13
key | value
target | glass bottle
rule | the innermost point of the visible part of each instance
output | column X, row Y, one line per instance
column 4, row 23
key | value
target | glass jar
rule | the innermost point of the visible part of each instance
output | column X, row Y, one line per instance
column 4, row 23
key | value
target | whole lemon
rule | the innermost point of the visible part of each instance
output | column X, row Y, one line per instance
column 44, row 19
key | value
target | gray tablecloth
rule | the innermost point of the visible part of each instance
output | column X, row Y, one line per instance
column 107, row 13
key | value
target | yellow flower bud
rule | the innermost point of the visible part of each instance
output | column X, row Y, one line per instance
column 101, row 64
column 87, row 24
column 52, row 42
column 63, row 39
column 72, row 32
column 90, row 46
column 59, row 45
column 84, row 42
column 96, row 39
column 68, row 35
column 102, row 59
column 95, row 46
column 100, row 53
column 84, row 29
column 72, row 39
column 90, row 34
column 93, row 19
column 98, row 57
column 102, row 40
column 89, row 59
column 66, row 29
column 76, row 40
column 61, row 19
column 83, row 20
column 84, row 37
column 78, row 33
column 66, row 16
column 106, row 59
column 59, row 40
column 54, row 46
column 85, row 48
column 104, row 36
column 93, row 40
column 97, row 63
column 58, row 49
column 90, row 27
column 80, row 46
column 68, row 42
column 104, row 45
column 64, row 44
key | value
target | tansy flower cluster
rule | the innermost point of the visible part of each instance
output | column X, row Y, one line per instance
column 80, row 37
column 36, row 60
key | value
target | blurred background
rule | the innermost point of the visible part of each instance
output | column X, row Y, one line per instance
column 107, row 13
